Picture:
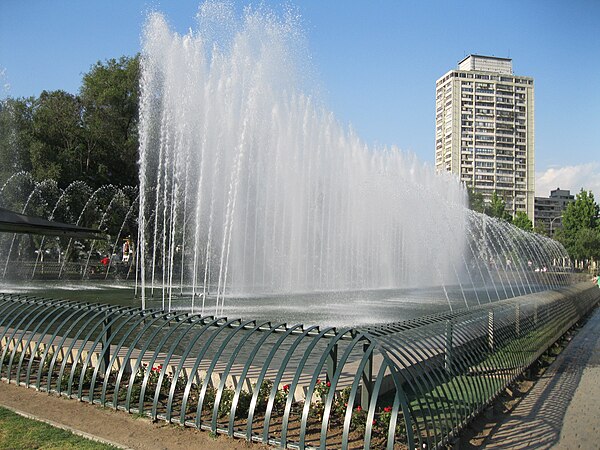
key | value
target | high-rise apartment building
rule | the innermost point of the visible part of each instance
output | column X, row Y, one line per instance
column 484, row 130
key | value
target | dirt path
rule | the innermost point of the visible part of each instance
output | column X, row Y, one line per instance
column 117, row 427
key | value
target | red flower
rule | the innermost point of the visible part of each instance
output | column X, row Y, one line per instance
column 358, row 408
column 286, row 388
column 374, row 422
column 318, row 381
column 388, row 409
column 329, row 384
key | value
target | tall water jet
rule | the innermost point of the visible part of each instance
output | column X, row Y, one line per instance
column 248, row 184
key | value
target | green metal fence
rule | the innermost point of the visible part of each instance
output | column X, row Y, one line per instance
column 390, row 386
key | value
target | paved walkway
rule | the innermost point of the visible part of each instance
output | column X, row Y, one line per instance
column 562, row 411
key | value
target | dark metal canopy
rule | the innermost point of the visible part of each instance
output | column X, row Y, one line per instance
column 13, row 222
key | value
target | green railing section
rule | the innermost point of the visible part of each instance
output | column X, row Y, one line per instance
column 398, row 385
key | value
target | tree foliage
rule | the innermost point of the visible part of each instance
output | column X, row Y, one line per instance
column 109, row 95
column 16, row 135
column 91, row 136
column 56, row 132
column 522, row 221
column 476, row 202
column 580, row 232
column 541, row 230
column 497, row 208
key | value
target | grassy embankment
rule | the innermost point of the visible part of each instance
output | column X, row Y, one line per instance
column 17, row 432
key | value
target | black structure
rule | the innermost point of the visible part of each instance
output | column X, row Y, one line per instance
column 13, row 222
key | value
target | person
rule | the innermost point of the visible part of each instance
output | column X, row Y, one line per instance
column 127, row 250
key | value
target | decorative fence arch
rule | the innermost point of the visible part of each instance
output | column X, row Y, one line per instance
column 388, row 386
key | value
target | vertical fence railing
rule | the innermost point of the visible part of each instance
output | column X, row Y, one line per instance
column 396, row 385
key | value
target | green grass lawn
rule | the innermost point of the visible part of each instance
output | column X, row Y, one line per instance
column 17, row 432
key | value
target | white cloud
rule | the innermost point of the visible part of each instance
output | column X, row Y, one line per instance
column 573, row 178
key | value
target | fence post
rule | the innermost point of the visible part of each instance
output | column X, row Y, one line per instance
column 448, row 348
column 491, row 330
column 105, row 361
column 367, row 380
column 518, row 319
column 332, row 362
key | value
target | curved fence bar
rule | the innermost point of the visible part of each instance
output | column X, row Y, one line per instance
column 400, row 385
column 453, row 365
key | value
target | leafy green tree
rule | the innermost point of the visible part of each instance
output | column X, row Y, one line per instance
column 497, row 208
column 91, row 137
column 580, row 223
column 587, row 244
column 540, row 229
column 522, row 221
column 476, row 202
column 16, row 135
column 55, row 152
column 109, row 95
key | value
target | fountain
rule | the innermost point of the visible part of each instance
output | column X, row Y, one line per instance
column 261, row 190
column 248, row 186
column 109, row 208
column 254, row 202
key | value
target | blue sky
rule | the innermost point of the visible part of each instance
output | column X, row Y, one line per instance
column 377, row 62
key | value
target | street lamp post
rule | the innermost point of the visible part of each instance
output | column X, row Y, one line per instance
column 552, row 222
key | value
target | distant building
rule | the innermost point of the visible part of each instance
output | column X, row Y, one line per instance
column 548, row 210
column 485, row 130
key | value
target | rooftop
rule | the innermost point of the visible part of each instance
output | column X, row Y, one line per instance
column 486, row 64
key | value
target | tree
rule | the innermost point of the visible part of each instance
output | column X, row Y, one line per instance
column 497, row 208
column 587, row 244
column 522, row 221
column 476, row 202
column 16, row 135
column 109, row 95
column 541, row 230
column 580, row 224
column 55, row 152
column 92, row 137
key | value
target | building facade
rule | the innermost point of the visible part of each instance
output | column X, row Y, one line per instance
column 484, row 130
column 548, row 210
